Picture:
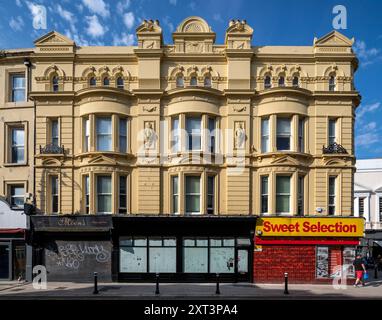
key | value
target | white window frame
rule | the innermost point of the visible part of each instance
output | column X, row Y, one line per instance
column 12, row 196
column 284, row 194
column 13, row 89
column 193, row 194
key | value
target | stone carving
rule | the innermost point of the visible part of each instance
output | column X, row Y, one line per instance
column 149, row 135
column 239, row 109
column 194, row 47
column 238, row 25
column 239, row 135
column 149, row 108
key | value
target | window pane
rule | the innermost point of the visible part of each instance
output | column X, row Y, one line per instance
column 133, row 259
column 283, row 184
column 193, row 126
column 18, row 88
column 332, row 185
column 195, row 260
column 228, row 242
column 193, row 185
column 92, row 81
column 215, row 242
column 332, row 131
column 140, row 241
column 106, row 81
column 189, row 242
column 192, row 203
column 104, row 193
column 18, row 137
column 104, row 134
column 179, row 81
column 265, row 135
column 175, row 135
column 207, row 82
column 120, row 84
column 17, row 152
column 169, row 242
column 162, row 260
column 193, row 81
column 17, row 196
column 175, row 193
column 283, row 126
column 211, row 129
column 282, row 203
column 122, row 135
column 222, row 260
column 301, row 135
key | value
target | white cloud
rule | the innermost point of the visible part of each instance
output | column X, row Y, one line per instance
column 76, row 38
column 371, row 126
column 94, row 28
column 366, row 56
column 122, row 6
column 367, row 139
column 125, row 39
column 16, row 23
column 367, row 108
column 65, row 14
column 18, row 3
column 98, row 7
column 173, row 2
column 128, row 19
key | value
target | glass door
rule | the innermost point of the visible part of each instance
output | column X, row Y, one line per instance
column 5, row 261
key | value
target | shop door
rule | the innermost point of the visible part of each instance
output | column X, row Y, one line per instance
column 5, row 261
column 242, row 264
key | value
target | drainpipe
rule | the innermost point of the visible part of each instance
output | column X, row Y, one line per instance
column 29, row 248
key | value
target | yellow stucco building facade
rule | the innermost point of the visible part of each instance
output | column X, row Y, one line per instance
column 189, row 129
column 287, row 103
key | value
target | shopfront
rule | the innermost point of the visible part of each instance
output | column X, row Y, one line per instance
column 73, row 247
column 13, row 250
column 190, row 249
column 309, row 249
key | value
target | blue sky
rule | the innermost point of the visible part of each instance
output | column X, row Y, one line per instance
column 275, row 22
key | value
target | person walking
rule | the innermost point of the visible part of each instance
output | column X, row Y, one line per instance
column 359, row 268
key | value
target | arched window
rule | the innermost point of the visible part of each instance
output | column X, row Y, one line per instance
column 281, row 81
column 193, row 81
column 207, row 81
column 106, row 81
column 92, row 82
column 332, row 83
column 295, row 81
column 55, row 83
column 179, row 81
column 120, row 84
column 267, row 82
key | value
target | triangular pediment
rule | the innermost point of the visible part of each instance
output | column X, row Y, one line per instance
column 334, row 38
column 286, row 160
column 53, row 38
column 101, row 159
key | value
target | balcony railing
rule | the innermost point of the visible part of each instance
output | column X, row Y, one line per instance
column 52, row 149
column 333, row 149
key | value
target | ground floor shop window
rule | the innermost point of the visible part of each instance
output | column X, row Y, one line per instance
column 197, row 254
column 153, row 254
column 333, row 261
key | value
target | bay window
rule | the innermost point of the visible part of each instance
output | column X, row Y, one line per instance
column 104, row 134
column 104, row 196
column 193, row 128
column 283, row 194
column 283, row 134
column 192, row 193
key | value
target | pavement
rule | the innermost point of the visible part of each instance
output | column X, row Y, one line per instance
column 185, row 291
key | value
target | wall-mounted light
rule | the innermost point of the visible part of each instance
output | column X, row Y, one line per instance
column 27, row 62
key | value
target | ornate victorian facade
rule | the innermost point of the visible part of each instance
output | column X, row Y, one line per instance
column 191, row 127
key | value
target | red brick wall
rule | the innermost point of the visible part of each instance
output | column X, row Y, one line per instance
column 298, row 260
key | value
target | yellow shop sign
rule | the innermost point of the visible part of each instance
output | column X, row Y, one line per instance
column 310, row 227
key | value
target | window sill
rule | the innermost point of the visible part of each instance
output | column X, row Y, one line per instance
column 24, row 164
column 21, row 104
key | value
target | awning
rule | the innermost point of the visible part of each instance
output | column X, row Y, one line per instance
column 378, row 243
